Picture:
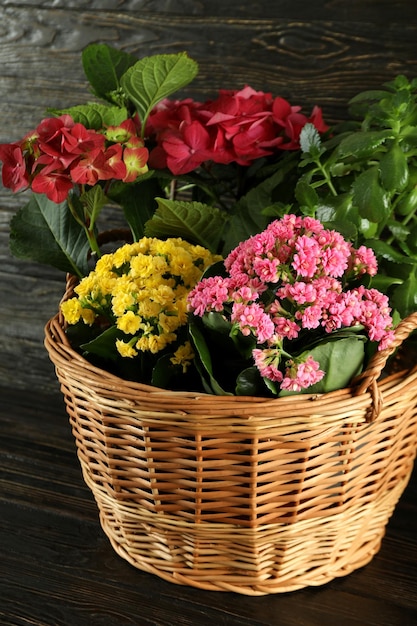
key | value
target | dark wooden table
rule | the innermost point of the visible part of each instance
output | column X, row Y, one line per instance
column 56, row 565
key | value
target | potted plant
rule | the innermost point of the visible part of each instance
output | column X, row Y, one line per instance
column 221, row 357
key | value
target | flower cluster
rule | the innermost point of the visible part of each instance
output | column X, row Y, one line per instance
column 288, row 281
column 238, row 126
column 140, row 292
column 61, row 154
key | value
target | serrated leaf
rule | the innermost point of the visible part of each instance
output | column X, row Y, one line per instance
column 46, row 232
column 104, row 66
column 362, row 144
column 248, row 216
column 385, row 251
column 157, row 77
column 394, row 169
column 196, row 222
column 372, row 200
column 310, row 141
column 95, row 115
column 371, row 94
column 306, row 195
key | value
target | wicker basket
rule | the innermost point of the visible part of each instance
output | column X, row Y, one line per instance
column 242, row 494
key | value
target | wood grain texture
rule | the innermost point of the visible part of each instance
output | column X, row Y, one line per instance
column 56, row 566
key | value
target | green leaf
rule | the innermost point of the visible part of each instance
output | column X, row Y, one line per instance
column 196, row 222
column 372, row 200
column 204, row 365
column 156, row 77
column 104, row 66
column 341, row 359
column 137, row 201
column 164, row 371
column 394, row 169
column 385, row 251
column 249, row 383
column 383, row 282
column 306, row 196
column 404, row 296
column 362, row 144
column 310, row 141
column 248, row 214
column 95, row 115
column 105, row 344
column 370, row 94
column 46, row 232
column 93, row 201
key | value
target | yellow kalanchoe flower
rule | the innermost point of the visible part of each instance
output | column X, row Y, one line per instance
column 183, row 356
column 141, row 289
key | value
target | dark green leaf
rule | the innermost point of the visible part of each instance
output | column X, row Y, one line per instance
column 138, row 201
column 362, row 144
column 372, row 200
column 249, row 383
column 193, row 221
column 306, row 196
column 394, row 169
column 385, row 251
column 105, row 344
column 156, row 77
column 204, row 363
column 93, row 201
column 47, row 233
column 404, row 296
column 164, row 371
column 342, row 360
column 248, row 215
column 104, row 66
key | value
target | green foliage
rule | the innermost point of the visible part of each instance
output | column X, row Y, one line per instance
column 196, row 222
column 46, row 232
column 94, row 115
column 363, row 182
column 154, row 78
column 138, row 201
column 104, row 66
column 341, row 356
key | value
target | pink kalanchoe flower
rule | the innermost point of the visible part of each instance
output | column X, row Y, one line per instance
column 363, row 261
column 252, row 319
column 209, row 294
column 300, row 375
column 307, row 257
column 286, row 328
column 267, row 361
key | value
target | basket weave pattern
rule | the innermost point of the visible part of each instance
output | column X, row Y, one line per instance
column 251, row 495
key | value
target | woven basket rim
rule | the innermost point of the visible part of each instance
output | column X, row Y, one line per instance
column 365, row 389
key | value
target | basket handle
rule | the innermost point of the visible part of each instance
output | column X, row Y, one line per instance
column 367, row 381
